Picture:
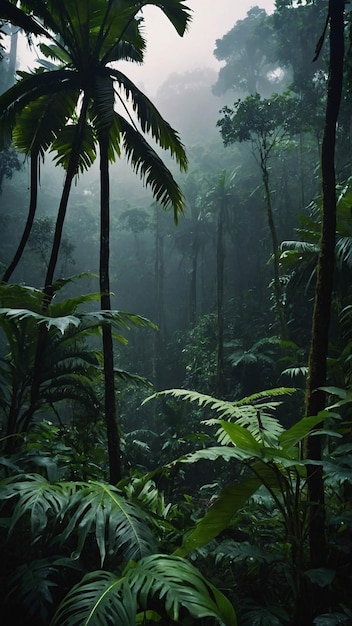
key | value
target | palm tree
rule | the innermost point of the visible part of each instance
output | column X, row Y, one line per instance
column 88, row 39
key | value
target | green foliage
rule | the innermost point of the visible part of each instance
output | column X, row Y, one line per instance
column 70, row 369
column 262, row 121
column 171, row 584
column 273, row 469
column 96, row 522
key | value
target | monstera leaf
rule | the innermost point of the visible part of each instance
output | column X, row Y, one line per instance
column 166, row 585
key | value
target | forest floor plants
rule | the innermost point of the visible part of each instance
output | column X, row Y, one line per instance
column 263, row 512
column 78, row 553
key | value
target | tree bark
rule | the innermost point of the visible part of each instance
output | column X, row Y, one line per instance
column 48, row 290
column 315, row 398
column 110, row 407
column 220, row 262
column 275, row 246
column 30, row 219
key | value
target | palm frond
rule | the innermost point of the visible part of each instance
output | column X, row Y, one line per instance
column 119, row 526
column 293, row 372
column 230, row 550
column 62, row 146
column 39, row 122
column 32, row 584
column 251, row 412
column 30, row 88
column 344, row 250
column 19, row 18
column 37, row 500
column 169, row 583
column 99, row 598
column 154, row 173
column 118, row 319
column 150, row 119
column 180, row 587
column 176, row 11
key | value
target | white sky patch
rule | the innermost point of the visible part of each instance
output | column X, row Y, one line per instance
column 167, row 52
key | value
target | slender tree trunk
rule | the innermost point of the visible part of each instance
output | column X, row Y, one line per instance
column 193, row 282
column 48, row 290
column 108, row 348
column 315, row 399
column 70, row 174
column 220, row 262
column 30, row 219
column 275, row 246
column 159, row 336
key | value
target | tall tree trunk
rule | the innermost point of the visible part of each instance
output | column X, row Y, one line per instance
column 275, row 247
column 220, row 262
column 48, row 290
column 193, row 281
column 108, row 348
column 159, row 336
column 72, row 170
column 30, row 218
column 315, row 399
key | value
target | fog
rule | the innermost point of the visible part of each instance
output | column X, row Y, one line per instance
column 168, row 53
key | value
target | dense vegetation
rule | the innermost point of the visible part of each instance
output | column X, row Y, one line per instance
column 175, row 387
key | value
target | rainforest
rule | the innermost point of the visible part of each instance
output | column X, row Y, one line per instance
column 175, row 319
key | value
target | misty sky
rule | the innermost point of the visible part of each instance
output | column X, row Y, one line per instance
column 167, row 52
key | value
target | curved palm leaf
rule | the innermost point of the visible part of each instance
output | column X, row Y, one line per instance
column 252, row 412
column 146, row 162
column 61, row 145
column 150, row 119
column 119, row 526
column 40, row 121
column 80, row 510
column 30, row 88
column 16, row 16
column 97, row 600
column 37, row 500
column 169, row 583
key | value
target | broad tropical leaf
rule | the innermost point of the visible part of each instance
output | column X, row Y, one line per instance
column 119, row 526
column 220, row 514
column 99, row 599
column 169, row 584
column 32, row 584
column 38, row 500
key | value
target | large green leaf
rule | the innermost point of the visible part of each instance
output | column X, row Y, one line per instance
column 291, row 437
column 220, row 514
column 98, row 600
column 168, row 584
column 37, row 500
column 40, row 121
column 32, row 585
column 241, row 438
column 146, row 162
column 252, row 412
column 117, row 524
column 179, row 586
